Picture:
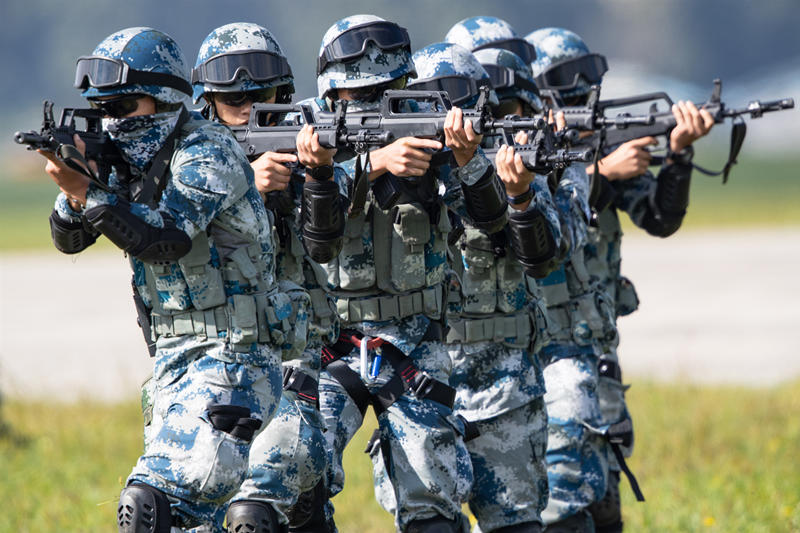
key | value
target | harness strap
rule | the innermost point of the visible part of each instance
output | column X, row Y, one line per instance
column 301, row 383
column 406, row 375
column 619, row 435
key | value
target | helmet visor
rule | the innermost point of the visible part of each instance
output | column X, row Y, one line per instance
column 459, row 88
column 524, row 50
column 352, row 43
column 506, row 78
column 565, row 74
column 259, row 65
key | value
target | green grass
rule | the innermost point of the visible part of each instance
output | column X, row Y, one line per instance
column 708, row 459
column 761, row 191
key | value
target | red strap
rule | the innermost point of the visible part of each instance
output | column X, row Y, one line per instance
column 371, row 344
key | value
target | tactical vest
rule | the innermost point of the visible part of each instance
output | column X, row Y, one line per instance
column 579, row 309
column 392, row 263
column 213, row 293
column 293, row 264
column 493, row 299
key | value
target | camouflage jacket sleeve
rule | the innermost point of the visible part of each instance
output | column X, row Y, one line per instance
column 639, row 198
column 209, row 175
column 572, row 201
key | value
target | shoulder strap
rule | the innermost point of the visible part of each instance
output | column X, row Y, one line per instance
column 149, row 189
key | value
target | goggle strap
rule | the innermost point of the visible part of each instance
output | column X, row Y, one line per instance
column 161, row 79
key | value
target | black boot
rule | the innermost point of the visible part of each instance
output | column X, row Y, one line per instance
column 578, row 523
column 439, row 524
column 527, row 527
column 607, row 513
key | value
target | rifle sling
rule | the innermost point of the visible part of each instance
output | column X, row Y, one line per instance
column 738, row 132
column 149, row 189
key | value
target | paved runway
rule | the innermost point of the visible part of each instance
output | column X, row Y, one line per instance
column 717, row 307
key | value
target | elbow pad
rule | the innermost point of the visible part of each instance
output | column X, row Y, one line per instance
column 138, row 238
column 323, row 220
column 671, row 200
column 70, row 237
column 486, row 202
column 533, row 242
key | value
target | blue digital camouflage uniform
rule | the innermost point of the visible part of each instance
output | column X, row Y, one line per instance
column 495, row 316
column 431, row 471
column 289, row 456
column 212, row 198
column 497, row 322
column 576, row 448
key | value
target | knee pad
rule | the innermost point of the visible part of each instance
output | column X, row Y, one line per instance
column 435, row 525
column 527, row 527
column 580, row 522
column 250, row 516
column 307, row 515
column 607, row 513
column 143, row 509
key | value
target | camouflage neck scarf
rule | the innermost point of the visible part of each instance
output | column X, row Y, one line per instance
column 140, row 138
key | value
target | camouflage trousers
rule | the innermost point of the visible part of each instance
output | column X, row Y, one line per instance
column 288, row 457
column 198, row 466
column 499, row 389
column 510, row 472
column 577, row 449
column 429, row 471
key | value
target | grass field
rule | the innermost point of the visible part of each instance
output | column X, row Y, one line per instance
column 708, row 459
column 760, row 192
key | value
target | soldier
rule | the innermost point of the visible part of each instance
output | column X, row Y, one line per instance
column 495, row 319
column 240, row 64
column 390, row 283
column 188, row 215
column 589, row 294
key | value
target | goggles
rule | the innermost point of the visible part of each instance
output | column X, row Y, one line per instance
column 565, row 74
column 525, row 50
column 118, row 107
column 507, row 106
column 103, row 73
column 352, row 43
column 239, row 99
column 223, row 69
column 506, row 78
column 459, row 88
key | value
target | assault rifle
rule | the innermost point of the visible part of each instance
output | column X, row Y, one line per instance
column 547, row 150
column 357, row 132
column 58, row 139
column 664, row 121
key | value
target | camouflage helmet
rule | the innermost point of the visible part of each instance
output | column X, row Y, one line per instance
column 450, row 67
column 476, row 33
column 370, row 66
column 559, row 48
column 135, row 61
column 516, row 80
column 233, row 54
